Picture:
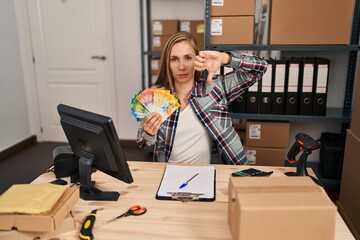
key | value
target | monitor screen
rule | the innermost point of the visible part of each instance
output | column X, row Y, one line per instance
column 94, row 140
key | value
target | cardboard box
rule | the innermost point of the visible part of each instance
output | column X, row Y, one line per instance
column 232, row 30
column 42, row 223
column 155, row 66
column 267, row 134
column 242, row 136
column 350, row 181
column 196, row 28
column 232, row 7
column 279, row 208
column 265, row 156
column 355, row 115
column 165, row 27
column 158, row 43
column 311, row 21
column 239, row 124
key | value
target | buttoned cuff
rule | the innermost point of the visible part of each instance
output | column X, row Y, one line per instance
column 148, row 138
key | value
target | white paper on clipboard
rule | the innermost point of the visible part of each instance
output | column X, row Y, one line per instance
column 175, row 175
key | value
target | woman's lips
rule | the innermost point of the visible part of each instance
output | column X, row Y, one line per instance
column 182, row 75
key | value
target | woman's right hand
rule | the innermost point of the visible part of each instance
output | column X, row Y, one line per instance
column 151, row 123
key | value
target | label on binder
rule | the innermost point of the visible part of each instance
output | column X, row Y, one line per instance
column 293, row 77
column 322, row 78
column 280, row 78
column 308, row 78
column 266, row 80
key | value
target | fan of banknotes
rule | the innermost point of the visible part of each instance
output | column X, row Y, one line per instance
column 153, row 100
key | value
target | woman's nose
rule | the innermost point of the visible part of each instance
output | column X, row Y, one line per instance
column 181, row 64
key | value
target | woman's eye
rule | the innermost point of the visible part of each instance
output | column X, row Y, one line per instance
column 188, row 58
column 173, row 59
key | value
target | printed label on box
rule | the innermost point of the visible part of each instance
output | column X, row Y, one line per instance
column 153, row 79
column 216, row 27
column 185, row 26
column 200, row 28
column 254, row 131
column 217, row 3
column 157, row 28
column 156, row 41
column 155, row 64
column 251, row 156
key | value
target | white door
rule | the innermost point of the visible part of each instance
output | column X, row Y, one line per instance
column 72, row 47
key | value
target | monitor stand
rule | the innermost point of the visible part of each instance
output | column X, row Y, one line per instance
column 87, row 189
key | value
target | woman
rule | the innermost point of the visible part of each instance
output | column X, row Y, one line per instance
column 201, row 130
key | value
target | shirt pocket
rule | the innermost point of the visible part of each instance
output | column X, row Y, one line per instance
column 220, row 114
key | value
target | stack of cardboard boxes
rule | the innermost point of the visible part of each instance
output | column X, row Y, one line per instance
column 349, row 204
column 196, row 28
column 265, row 142
column 162, row 31
column 232, row 21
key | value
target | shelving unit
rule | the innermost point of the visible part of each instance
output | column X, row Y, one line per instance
column 334, row 115
column 340, row 115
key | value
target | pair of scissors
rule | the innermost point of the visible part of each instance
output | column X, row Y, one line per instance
column 135, row 210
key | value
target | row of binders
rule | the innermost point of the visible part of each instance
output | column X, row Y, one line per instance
column 294, row 86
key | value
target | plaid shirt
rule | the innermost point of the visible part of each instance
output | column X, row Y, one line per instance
column 210, row 104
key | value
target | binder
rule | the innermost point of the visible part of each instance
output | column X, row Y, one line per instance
column 320, row 86
column 252, row 99
column 199, row 184
column 239, row 104
column 265, row 93
column 307, row 83
column 278, row 102
column 292, row 86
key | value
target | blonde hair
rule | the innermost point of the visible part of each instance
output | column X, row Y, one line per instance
column 165, row 77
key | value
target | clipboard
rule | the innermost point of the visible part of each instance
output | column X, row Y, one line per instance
column 200, row 188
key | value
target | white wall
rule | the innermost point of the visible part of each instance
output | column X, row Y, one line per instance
column 14, row 118
column 126, row 26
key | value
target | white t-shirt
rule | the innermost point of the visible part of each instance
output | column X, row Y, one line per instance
column 192, row 143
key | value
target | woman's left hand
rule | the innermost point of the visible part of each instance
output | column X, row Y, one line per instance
column 211, row 61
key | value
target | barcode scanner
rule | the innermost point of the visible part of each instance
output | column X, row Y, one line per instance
column 306, row 144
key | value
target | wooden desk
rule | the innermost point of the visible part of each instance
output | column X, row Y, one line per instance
column 164, row 219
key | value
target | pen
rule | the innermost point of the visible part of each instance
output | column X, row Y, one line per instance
column 186, row 183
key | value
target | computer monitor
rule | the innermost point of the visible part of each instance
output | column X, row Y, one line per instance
column 94, row 140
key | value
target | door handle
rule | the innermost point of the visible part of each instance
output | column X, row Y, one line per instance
column 99, row 57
